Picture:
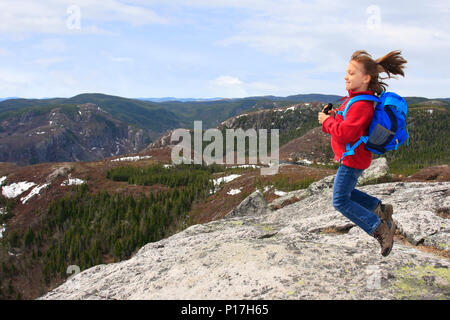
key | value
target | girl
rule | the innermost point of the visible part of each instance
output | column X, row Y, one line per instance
column 362, row 77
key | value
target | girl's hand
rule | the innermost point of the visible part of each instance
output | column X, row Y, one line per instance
column 331, row 112
column 322, row 117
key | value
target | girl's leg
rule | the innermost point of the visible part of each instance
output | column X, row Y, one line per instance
column 344, row 184
column 367, row 201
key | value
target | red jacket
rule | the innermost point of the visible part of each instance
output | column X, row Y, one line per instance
column 356, row 124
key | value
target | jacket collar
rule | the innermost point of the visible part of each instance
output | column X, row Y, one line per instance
column 352, row 93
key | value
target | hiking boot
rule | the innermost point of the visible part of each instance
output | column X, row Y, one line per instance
column 384, row 212
column 385, row 236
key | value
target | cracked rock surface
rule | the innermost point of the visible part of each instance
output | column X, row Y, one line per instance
column 288, row 253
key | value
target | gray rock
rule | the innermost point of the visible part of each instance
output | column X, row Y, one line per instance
column 285, row 254
column 378, row 169
column 296, row 194
column 254, row 204
column 421, row 225
column 320, row 185
column 61, row 171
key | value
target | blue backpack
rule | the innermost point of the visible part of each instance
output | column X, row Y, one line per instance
column 388, row 127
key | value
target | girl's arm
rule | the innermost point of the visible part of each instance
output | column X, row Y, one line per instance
column 356, row 123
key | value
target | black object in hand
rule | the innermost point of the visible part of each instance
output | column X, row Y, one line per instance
column 328, row 108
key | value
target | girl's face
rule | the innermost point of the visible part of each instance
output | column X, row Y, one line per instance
column 355, row 78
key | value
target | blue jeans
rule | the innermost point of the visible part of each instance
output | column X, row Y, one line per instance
column 352, row 203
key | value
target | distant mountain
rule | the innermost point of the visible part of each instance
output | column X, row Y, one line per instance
column 145, row 115
column 421, row 101
column 156, row 119
column 325, row 98
column 300, row 134
column 164, row 99
column 8, row 98
column 67, row 133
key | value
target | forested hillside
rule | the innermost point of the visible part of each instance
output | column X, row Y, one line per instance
column 86, row 229
column 429, row 141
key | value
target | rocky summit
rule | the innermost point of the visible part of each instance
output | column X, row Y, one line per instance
column 304, row 250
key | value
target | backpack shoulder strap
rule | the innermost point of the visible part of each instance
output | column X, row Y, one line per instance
column 350, row 150
column 359, row 98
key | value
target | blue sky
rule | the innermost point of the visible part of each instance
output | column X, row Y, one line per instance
column 213, row 48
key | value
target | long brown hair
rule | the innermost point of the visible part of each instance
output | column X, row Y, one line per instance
column 391, row 64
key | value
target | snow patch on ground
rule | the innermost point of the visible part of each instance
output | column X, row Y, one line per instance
column 136, row 158
column 2, row 229
column 246, row 166
column 226, row 179
column 33, row 192
column 15, row 189
column 304, row 161
column 290, row 108
column 232, row 192
column 72, row 181
column 280, row 193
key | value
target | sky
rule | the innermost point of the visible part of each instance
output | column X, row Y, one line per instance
column 215, row 48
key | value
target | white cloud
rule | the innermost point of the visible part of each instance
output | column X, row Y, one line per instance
column 233, row 87
column 228, row 87
column 32, row 84
column 299, row 46
column 52, row 16
column 122, row 59
column 309, row 33
column 10, row 78
column 118, row 59
column 227, row 81
column 320, row 37
column 51, row 45
column 45, row 62
column 261, row 88
column 112, row 10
